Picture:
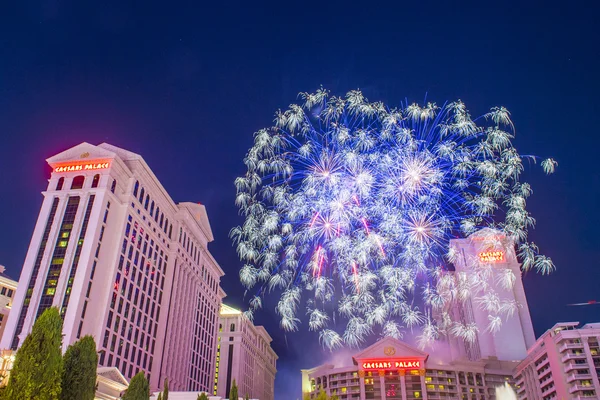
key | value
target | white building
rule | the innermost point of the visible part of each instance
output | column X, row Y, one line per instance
column 244, row 353
column 8, row 287
column 453, row 369
column 564, row 363
column 393, row 370
column 516, row 335
column 126, row 264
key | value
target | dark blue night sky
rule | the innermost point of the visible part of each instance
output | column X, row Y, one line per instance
column 185, row 84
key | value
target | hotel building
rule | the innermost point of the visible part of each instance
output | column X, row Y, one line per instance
column 393, row 370
column 8, row 287
column 244, row 353
column 126, row 264
column 564, row 363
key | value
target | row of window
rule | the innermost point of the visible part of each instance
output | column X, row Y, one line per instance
column 148, row 204
column 34, row 273
column 6, row 292
column 135, row 306
column 79, row 181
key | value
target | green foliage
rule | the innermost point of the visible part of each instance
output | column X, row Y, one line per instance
column 233, row 393
column 166, row 390
column 159, row 396
column 247, row 397
column 36, row 374
column 202, row 396
column 322, row 395
column 139, row 389
column 79, row 374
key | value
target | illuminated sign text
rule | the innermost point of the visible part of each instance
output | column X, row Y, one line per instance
column 491, row 256
column 87, row 166
column 393, row 364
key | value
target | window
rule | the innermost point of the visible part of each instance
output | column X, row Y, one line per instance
column 136, row 188
column 78, row 182
column 96, row 180
column 113, row 186
column 232, row 328
column 152, row 208
column 60, row 183
column 146, row 202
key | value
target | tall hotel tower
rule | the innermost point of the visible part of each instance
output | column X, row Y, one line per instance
column 126, row 264
column 516, row 335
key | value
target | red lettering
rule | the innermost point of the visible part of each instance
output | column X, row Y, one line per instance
column 82, row 167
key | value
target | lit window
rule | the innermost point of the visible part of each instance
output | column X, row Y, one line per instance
column 430, row 387
column 65, row 234
column 417, row 395
column 62, row 243
column 51, row 291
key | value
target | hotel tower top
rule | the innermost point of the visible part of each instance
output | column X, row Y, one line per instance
column 126, row 264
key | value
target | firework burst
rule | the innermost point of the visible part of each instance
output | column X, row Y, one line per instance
column 351, row 205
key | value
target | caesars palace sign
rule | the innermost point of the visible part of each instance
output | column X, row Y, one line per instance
column 79, row 166
column 391, row 364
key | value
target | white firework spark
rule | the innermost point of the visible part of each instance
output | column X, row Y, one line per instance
column 352, row 206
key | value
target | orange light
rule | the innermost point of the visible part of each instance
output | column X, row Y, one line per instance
column 391, row 364
column 86, row 166
column 491, row 256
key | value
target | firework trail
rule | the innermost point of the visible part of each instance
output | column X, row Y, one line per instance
column 350, row 205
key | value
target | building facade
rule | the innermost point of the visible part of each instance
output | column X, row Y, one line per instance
column 126, row 264
column 8, row 287
column 393, row 370
column 454, row 368
column 564, row 363
column 244, row 353
column 511, row 341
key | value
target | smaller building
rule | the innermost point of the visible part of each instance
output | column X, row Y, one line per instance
column 393, row 370
column 244, row 353
column 8, row 287
column 564, row 363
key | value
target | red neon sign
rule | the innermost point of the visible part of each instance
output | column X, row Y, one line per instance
column 79, row 166
column 391, row 364
column 491, row 256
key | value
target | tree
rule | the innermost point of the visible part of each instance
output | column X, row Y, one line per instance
column 166, row 390
column 247, row 397
column 202, row 396
column 159, row 396
column 38, row 366
column 79, row 373
column 233, row 393
column 138, row 388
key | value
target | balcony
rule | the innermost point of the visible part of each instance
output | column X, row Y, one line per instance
column 544, row 373
column 578, row 388
column 549, row 389
column 567, row 346
column 544, row 362
column 574, row 377
column 520, row 380
column 571, row 356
